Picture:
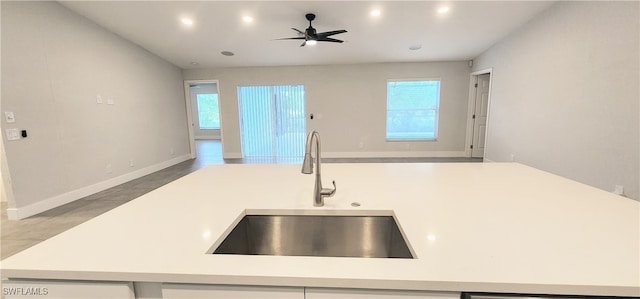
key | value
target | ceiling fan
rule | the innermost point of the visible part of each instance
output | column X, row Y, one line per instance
column 310, row 36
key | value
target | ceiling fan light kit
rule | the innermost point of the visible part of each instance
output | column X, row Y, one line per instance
column 311, row 36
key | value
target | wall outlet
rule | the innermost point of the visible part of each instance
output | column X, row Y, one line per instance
column 361, row 144
column 108, row 168
column 13, row 134
column 619, row 190
column 172, row 151
column 131, row 164
column 512, row 157
column 99, row 99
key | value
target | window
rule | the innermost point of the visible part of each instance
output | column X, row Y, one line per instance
column 208, row 111
column 412, row 110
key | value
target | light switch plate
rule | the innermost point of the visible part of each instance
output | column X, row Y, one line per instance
column 9, row 117
column 13, row 134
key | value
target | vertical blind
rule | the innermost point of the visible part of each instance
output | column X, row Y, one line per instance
column 272, row 120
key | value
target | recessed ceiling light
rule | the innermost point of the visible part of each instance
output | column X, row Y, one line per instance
column 227, row 53
column 247, row 19
column 187, row 21
column 194, row 63
column 375, row 13
column 443, row 9
column 415, row 47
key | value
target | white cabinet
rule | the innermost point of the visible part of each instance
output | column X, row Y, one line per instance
column 184, row 291
column 65, row 289
column 329, row 293
column 124, row 290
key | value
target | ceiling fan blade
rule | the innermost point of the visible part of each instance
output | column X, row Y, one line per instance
column 330, row 33
column 310, row 34
column 300, row 37
column 328, row 39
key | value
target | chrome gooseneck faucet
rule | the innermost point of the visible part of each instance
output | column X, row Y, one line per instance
column 319, row 193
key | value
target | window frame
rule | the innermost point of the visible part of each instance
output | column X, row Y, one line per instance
column 437, row 110
column 200, row 127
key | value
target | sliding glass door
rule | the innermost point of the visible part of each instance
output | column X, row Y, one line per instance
column 272, row 121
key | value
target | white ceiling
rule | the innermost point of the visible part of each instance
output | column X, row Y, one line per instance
column 468, row 29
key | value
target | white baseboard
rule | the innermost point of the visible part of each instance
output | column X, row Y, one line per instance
column 232, row 155
column 408, row 154
column 206, row 137
column 58, row 200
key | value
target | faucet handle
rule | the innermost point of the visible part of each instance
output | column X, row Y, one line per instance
column 329, row 192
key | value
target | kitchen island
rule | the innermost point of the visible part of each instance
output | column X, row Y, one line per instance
column 472, row 227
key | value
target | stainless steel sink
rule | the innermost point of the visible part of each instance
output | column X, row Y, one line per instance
column 315, row 235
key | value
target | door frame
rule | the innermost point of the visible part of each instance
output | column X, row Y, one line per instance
column 471, row 107
column 190, row 124
column 6, row 187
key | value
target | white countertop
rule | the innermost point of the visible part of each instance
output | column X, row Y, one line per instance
column 493, row 227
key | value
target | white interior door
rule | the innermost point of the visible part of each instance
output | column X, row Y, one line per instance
column 480, row 114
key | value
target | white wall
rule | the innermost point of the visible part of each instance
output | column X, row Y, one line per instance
column 352, row 102
column 54, row 64
column 565, row 94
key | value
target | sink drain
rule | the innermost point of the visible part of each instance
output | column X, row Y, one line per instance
column 355, row 204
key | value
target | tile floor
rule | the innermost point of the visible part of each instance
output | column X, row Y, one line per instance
column 17, row 235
